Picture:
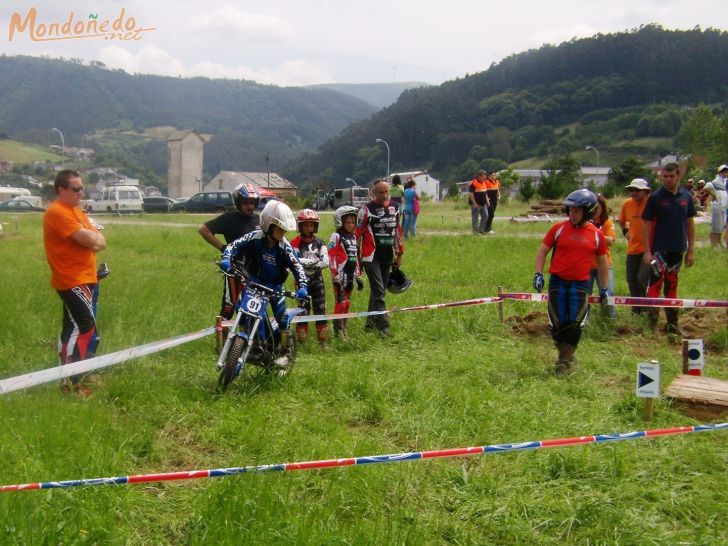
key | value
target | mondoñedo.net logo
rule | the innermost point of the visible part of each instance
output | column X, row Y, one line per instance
column 122, row 27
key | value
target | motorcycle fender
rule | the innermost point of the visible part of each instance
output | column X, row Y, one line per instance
column 291, row 314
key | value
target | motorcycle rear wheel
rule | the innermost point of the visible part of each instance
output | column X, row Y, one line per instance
column 229, row 369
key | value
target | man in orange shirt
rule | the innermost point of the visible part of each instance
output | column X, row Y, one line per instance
column 630, row 219
column 71, row 241
column 478, row 198
column 493, row 192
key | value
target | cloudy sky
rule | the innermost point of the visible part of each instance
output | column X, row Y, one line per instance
column 299, row 42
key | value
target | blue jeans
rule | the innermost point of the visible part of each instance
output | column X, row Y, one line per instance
column 475, row 213
column 410, row 224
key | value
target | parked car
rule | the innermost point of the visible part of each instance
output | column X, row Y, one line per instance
column 157, row 204
column 18, row 205
column 117, row 199
column 356, row 196
column 208, row 201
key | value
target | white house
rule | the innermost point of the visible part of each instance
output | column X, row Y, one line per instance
column 426, row 184
column 271, row 182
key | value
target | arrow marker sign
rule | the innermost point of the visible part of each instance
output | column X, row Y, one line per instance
column 648, row 379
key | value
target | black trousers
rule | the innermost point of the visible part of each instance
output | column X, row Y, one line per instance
column 378, row 275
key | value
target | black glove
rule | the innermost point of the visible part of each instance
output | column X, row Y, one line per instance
column 359, row 284
column 538, row 282
column 625, row 231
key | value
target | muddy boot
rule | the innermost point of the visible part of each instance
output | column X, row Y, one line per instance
column 566, row 362
column 302, row 332
column 322, row 332
column 672, row 327
column 283, row 361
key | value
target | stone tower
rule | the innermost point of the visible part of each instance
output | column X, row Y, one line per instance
column 184, row 163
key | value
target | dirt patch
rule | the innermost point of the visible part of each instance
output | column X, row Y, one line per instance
column 695, row 324
column 531, row 324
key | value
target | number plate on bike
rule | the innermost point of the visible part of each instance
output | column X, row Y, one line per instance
column 252, row 303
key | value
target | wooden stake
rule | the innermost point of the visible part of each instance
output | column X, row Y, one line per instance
column 500, row 304
column 649, row 404
column 685, row 356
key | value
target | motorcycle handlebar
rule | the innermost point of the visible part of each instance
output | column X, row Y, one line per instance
column 240, row 275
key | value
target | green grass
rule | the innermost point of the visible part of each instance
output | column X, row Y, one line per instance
column 448, row 378
column 21, row 152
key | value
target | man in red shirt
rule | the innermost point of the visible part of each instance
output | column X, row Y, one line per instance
column 575, row 242
column 71, row 242
column 379, row 233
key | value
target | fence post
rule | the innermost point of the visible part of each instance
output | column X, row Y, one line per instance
column 500, row 304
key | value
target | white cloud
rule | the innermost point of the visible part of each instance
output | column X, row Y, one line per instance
column 153, row 60
column 147, row 60
column 229, row 23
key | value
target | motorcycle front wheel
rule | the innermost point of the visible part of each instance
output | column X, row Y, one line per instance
column 229, row 369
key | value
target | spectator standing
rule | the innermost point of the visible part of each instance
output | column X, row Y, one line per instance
column 411, row 209
column 71, row 242
column 314, row 257
column 396, row 192
column 630, row 220
column 344, row 261
column 718, row 198
column 669, row 231
column 379, row 237
column 604, row 224
column 493, row 192
column 579, row 242
column 478, row 198
column 232, row 225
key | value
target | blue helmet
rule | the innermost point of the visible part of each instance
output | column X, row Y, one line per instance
column 585, row 199
column 245, row 192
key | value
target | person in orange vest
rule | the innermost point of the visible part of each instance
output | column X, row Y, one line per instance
column 493, row 192
column 478, row 198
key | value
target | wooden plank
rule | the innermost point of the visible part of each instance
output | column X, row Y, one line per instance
column 701, row 397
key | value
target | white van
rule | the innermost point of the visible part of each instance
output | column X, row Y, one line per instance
column 117, row 199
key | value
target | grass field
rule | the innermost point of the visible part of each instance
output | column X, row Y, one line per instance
column 448, row 378
column 21, row 152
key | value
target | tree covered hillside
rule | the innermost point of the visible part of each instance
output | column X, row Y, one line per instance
column 606, row 91
column 247, row 120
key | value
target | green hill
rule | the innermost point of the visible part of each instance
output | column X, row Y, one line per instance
column 606, row 91
column 378, row 95
column 247, row 120
column 21, row 152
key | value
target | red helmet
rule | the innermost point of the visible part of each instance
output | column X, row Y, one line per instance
column 308, row 215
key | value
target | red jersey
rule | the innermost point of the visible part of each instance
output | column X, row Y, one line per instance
column 380, row 232
column 343, row 254
column 574, row 247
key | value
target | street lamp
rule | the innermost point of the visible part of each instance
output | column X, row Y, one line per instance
column 595, row 151
column 63, row 148
column 387, row 145
column 352, row 181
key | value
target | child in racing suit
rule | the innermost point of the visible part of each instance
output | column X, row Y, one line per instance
column 314, row 257
column 267, row 257
column 344, row 262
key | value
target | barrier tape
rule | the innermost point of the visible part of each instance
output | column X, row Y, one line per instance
column 626, row 300
column 358, row 461
column 83, row 366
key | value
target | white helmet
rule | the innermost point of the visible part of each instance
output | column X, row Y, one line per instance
column 339, row 214
column 277, row 213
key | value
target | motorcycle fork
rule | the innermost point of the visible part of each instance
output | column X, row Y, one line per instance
column 229, row 340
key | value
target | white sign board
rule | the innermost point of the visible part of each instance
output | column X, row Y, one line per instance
column 696, row 358
column 648, row 379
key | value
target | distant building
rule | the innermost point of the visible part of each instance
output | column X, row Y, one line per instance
column 426, row 184
column 660, row 162
column 184, row 163
column 273, row 182
column 595, row 176
column 6, row 165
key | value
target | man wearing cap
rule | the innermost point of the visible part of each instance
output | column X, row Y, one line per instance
column 630, row 219
column 478, row 196
column 718, row 196
column 668, row 230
